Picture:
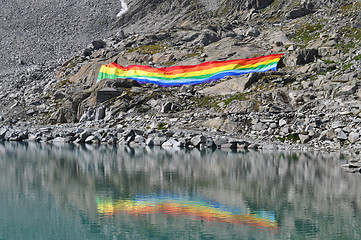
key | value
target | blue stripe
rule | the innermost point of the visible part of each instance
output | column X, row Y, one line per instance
column 189, row 81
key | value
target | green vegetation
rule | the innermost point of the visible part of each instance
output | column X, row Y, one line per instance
column 352, row 7
column 276, row 4
column 239, row 96
column 205, row 102
column 196, row 53
column 291, row 137
column 62, row 83
column 150, row 49
column 353, row 34
column 328, row 61
column 162, row 126
column 357, row 58
column 308, row 32
column 73, row 63
column 346, row 66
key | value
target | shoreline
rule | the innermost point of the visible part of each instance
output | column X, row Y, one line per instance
column 165, row 138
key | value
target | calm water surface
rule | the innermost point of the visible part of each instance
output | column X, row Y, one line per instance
column 101, row 192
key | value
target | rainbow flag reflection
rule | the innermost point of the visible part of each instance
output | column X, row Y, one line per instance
column 176, row 206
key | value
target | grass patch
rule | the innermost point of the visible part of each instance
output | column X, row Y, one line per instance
column 196, row 53
column 357, row 58
column 63, row 83
column 346, row 66
column 352, row 33
column 328, row 61
column 150, row 49
column 352, row 7
column 205, row 102
column 308, row 32
column 239, row 96
column 291, row 137
column 162, row 126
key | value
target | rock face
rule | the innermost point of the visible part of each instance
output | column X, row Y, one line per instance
column 312, row 100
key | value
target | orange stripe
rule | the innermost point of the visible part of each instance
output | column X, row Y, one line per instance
column 193, row 68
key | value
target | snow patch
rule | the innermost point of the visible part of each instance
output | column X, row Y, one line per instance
column 124, row 8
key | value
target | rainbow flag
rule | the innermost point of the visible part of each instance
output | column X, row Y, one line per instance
column 198, row 209
column 191, row 74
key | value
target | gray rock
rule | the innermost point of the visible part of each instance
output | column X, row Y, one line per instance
column 87, row 52
column 55, row 140
column 300, row 57
column 338, row 124
column 328, row 134
column 220, row 140
column 83, row 117
column 254, row 146
column 99, row 114
column 123, row 83
column 105, row 94
column 273, row 125
column 139, row 139
column 282, row 122
column 237, row 106
column 197, row 140
column 120, row 34
column 253, row 32
column 167, row 107
column 347, row 129
column 232, row 145
column 259, row 126
column 285, row 130
column 298, row 13
column 158, row 141
column 353, row 137
column 33, row 138
column 210, row 143
column 97, row 44
column 346, row 90
column 149, row 142
column 89, row 139
column 83, row 136
column 3, row 131
column 30, row 112
column 59, row 95
column 304, row 138
column 129, row 136
column 207, row 37
column 172, row 143
column 340, row 134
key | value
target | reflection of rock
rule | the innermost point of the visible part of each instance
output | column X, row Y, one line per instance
column 291, row 178
column 354, row 166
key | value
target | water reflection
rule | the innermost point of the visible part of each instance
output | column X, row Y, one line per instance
column 124, row 193
column 176, row 206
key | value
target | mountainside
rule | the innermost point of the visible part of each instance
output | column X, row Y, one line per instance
column 313, row 98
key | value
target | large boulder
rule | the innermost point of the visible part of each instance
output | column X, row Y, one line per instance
column 105, row 94
column 300, row 57
column 68, row 112
column 235, row 85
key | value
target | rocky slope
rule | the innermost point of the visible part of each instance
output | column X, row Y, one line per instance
column 313, row 99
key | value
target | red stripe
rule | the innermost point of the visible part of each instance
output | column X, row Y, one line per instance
column 193, row 68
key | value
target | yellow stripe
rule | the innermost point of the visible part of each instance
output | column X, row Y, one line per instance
column 120, row 72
